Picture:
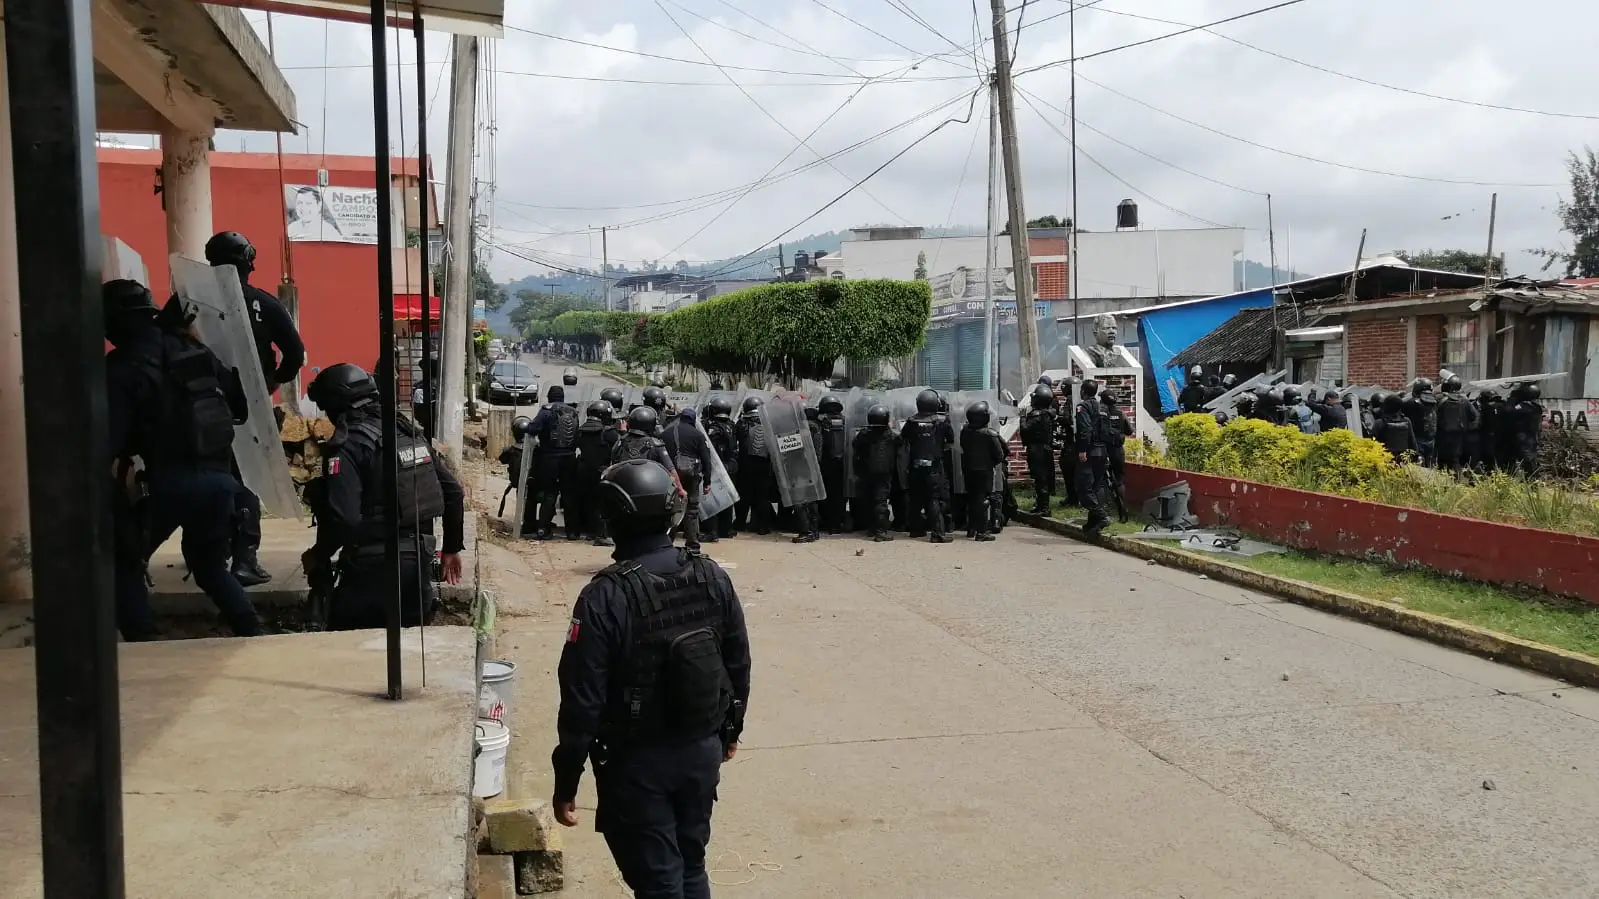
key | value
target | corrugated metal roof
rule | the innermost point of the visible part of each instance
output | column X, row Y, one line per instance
column 1246, row 337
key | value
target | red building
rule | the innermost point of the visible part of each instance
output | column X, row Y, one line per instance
column 337, row 281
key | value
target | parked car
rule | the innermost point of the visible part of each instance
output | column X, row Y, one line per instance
column 509, row 383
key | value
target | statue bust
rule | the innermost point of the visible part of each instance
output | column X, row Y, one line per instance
column 1103, row 352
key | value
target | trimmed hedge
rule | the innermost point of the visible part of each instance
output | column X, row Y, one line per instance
column 1334, row 461
column 794, row 329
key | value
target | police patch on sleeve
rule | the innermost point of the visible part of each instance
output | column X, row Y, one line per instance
column 333, row 466
column 571, row 632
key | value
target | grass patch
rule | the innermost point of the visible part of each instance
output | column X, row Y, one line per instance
column 1544, row 619
column 1060, row 511
column 617, row 371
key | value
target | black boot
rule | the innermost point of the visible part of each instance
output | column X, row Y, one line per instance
column 247, row 569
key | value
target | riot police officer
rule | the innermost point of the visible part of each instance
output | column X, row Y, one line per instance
column 351, row 515
column 173, row 404
column 719, row 430
column 597, row 437
column 1093, row 453
column 554, row 466
column 926, row 437
column 1457, row 419
column 832, row 451
column 655, row 678
column 1038, row 441
column 1244, row 406
column 1118, row 429
column 1525, row 419
column 1194, row 394
column 1297, row 413
column 616, row 398
column 282, row 353
column 1491, row 429
column 1422, row 409
column 655, row 398
column 690, row 451
column 954, row 504
column 807, row 518
column 511, row 458
column 876, row 449
column 639, row 442
column 754, row 469
column 1393, row 428
column 1331, row 411
column 982, row 451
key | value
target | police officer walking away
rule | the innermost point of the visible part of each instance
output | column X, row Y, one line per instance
column 554, row 466
column 982, row 450
column 876, row 449
column 1457, row 418
column 754, row 469
column 1118, row 428
column 1038, row 438
column 1093, row 452
column 1194, row 395
column 173, row 404
column 719, row 429
column 639, row 442
column 350, row 513
column 1393, row 428
column 655, row 679
column 1526, row 425
column 597, row 437
column 691, row 454
column 832, row 450
column 1422, row 409
column 282, row 353
column 925, row 435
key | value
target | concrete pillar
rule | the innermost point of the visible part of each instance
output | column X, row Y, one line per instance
column 186, row 188
column 16, row 580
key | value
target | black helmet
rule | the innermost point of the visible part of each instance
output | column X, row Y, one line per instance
column 655, row 398
column 1220, row 416
column 1260, row 392
column 1329, row 396
column 753, row 403
column 638, row 495
column 943, row 405
column 718, row 408
column 1392, row 402
column 599, row 410
column 1043, row 397
column 1046, row 380
column 1488, row 396
column 569, row 377
column 642, row 419
column 1088, row 388
column 978, row 415
column 1422, row 385
column 556, row 394
column 1453, row 384
column 125, row 304
column 830, row 405
column 1528, row 392
column 927, row 402
column 877, row 416
column 340, row 388
column 811, row 413
column 1291, row 396
column 1246, row 403
column 658, row 382
column 1274, row 398
column 231, row 248
column 1229, row 380
column 521, row 426
column 613, row 395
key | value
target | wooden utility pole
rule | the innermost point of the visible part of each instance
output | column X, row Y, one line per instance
column 1355, row 274
column 1021, row 262
column 456, row 332
column 990, row 315
column 1488, row 263
column 605, row 265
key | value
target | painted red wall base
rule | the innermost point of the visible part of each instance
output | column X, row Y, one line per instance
column 1564, row 564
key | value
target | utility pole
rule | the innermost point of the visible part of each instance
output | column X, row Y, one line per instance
column 458, row 228
column 990, row 314
column 1355, row 275
column 1488, row 268
column 605, row 266
column 1071, row 249
column 1278, row 340
column 1022, row 269
column 782, row 264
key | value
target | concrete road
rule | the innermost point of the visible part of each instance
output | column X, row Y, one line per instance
column 1038, row 717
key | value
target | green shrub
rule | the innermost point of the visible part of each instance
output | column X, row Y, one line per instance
column 1260, row 451
column 1337, row 461
column 1191, row 440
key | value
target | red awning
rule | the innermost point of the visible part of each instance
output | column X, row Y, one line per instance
column 408, row 307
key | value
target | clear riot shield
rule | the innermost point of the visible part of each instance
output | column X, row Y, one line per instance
column 215, row 298
column 523, row 491
column 856, row 404
column 958, row 401
column 788, row 442
column 723, row 494
column 677, row 400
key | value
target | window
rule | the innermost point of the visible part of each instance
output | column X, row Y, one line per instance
column 1457, row 349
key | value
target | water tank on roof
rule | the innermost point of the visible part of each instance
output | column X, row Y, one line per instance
column 1126, row 215
column 802, row 260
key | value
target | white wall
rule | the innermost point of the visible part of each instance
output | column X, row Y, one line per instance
column 1181, row 263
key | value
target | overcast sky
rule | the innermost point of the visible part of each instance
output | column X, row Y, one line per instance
column 686, row 131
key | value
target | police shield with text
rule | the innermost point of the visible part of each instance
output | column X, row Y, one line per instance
column 926, row 436
column 353, row 519
column 172, row 404
column 654, row 677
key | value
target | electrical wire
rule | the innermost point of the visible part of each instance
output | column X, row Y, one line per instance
column 759, row 40
column 1307, row 158
column 862, row 25
column 960, row 184
column 1027, row 98
column 764, row 111
column 1190, row 29
column 851, row 82
column 916, row 17
column 780, row 32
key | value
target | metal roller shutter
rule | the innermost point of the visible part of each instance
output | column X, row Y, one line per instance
column 969, row 352
column 938, row 357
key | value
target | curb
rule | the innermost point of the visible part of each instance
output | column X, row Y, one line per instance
column 1537, row 657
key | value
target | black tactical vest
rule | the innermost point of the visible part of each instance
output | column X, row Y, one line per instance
column 834, row 442
column 1451, row 415
column 672, row 684
column 1038, row 427
column 921, row 435
column 1397, row 434
column 563, row 431
column 195, row 425
column 752, row 436
column 635, row 445
column 981, row 449
column 880, row 452
column 591, row 447
column 420, row 493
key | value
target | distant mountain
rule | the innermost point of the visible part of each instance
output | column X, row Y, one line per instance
column 1251, row 275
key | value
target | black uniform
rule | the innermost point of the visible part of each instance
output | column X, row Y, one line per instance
column 1422, row 410
column 926, row 437
column 1456, row 418
column 173, row 403
column 754, row 475
column 1118, row 428
column 1525, row 419
column 832, row 452
column 350, row 518
column 691, row 454
column 596, row 441
column 657, row 747
column 1333, row 415
column 554, row 467
column 807, row 516
column 638, row 445
column 1395, row 431
column 1490, row 424
column 876, row 463
column 1193, row 397
column 1038, row 427
column 720, row 433
column 1094, row 444
column 982, row 450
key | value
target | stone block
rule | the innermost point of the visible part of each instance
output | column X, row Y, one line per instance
column 521, row 825
column 496, row 877
column 538, row 872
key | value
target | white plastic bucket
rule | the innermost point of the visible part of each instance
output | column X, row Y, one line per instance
column 488, row 768
column 499, row 686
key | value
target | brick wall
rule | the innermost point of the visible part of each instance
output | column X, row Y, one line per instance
column 1377, row 350
column 1049, row 280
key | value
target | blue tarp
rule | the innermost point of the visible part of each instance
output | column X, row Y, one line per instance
column 1167, row 332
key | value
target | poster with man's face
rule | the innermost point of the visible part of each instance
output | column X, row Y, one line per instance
column 331, row 214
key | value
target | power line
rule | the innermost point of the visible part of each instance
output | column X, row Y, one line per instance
column 916, row 17
column 851, row 82
column 775, row 30
column 1290, row 153
column 1161, row 37
column 865, row 27
column 764, row 111
column 750, row 37
column 972, row 103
